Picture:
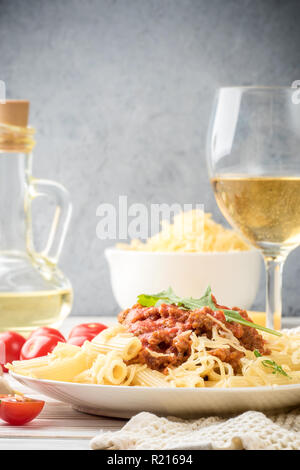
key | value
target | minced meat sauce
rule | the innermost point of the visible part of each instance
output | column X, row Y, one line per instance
column 167, row 328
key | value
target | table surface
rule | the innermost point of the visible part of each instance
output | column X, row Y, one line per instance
column 59, row 427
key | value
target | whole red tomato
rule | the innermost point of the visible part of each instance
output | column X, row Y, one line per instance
column 13, row 343
column 87, row 330
column 79, row 340
column 46, row 331
column 17, row 410
column 38, row 346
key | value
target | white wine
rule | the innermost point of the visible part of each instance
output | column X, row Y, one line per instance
column 266, row 210
column 25, row 311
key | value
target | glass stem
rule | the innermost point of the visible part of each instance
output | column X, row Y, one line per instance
column 273, row 290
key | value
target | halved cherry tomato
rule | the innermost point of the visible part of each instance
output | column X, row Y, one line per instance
column 79, row 340
column 13, row 343
column 18, row 410
column 38, row 346
column 87, row 330
column 46, row 331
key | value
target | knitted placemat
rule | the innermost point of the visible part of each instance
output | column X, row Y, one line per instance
column 251, row 430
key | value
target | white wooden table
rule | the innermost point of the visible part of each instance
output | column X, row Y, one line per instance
column 59, row 426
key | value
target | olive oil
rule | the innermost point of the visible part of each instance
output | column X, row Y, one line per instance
column 266, row 210
column 25, row 311
column 33, row 290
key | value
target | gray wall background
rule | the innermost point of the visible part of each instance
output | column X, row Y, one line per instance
column 121, row 92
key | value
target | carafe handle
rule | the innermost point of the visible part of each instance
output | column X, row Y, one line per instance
column 62, row 215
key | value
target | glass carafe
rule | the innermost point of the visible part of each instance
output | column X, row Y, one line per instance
column 33, row 291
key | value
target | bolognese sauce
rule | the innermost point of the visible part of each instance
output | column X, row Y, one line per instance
column 165, row 333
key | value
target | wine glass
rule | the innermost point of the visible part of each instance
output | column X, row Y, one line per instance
column 253, row 152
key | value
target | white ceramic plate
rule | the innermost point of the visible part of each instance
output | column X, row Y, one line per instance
column 124, row 402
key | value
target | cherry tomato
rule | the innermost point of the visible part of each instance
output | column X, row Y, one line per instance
column 13, row 343
column 87, row 330
column 79, row 340
column 46, row 331
column 17, row 410
column 38, row 346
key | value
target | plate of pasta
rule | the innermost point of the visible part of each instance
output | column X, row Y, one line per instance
column 172, row 356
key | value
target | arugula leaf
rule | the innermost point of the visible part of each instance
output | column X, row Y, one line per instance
column 277, row 369
column 169, row 297
column 233, row 315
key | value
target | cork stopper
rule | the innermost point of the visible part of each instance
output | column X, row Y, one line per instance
column 14, row 112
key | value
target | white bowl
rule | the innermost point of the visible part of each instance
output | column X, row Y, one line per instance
column 233, row 276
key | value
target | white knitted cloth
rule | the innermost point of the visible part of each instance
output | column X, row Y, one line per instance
column 251, row 430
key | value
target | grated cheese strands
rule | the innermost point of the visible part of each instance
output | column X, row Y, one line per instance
column 191, row 231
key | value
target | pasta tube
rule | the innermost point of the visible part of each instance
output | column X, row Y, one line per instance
column 115, row 370
column 19, row 366
column 126, row 344
column 150, row 378
column 64, row 369
column 109, row 368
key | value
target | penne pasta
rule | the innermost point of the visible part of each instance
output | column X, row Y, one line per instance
column 150, row 378
column 19, row 366
column 127, row 345
column 64, row 370
column 115, row 370
column 109, row 333
column 63, row 350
